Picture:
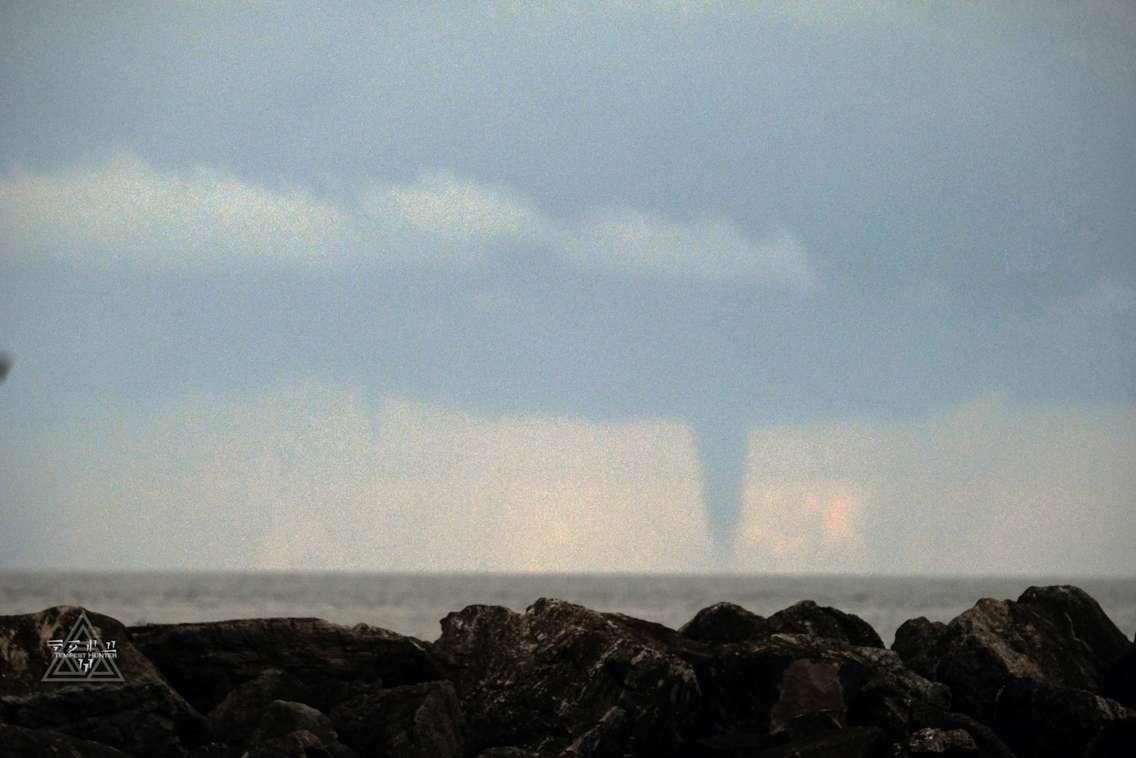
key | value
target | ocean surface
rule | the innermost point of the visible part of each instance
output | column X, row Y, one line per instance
column 414, row 603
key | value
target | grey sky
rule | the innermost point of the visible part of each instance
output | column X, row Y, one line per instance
column 387, row 286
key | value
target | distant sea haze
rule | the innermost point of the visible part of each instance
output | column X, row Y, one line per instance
column 414, row 603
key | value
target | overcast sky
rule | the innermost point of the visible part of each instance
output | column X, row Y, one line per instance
column 572, row 287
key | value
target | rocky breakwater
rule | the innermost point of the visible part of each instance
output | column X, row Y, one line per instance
column 1045, row 675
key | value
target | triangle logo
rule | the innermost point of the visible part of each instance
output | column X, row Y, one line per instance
column 82, row 656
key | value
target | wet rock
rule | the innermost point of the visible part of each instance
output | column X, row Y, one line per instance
column 206, row 661
column 806, row 617
column 1046, row 722
column 918, row 642
column 141, row 714
column 413, row 721
column 546, row 679
column 18, row 742
column 725, row 622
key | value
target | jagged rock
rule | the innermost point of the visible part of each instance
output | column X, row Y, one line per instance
column 545, row 679
column 413, row 721
column 18, row 742
column 142, row 714
column 725, row 622
column 506, row 752
column 806, row 617
column 918, row 642
column 1056, row 636
column 796, row 686
column 206, row 661
column 1047, row 722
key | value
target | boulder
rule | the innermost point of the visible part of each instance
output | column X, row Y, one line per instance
column 724, row 623
column 295, row 729
column 560, row 677
column 18, row 742
column 918, row 643
column 797, row 687
column 1040, row 721
column 1057, row 636
column 806, row 617
column 945, row 743
column 236, row 718
column 858, row 742
column 141, row 714
column 206, row 661
column 283, row 717
column 1120, row 680
column 412, row 721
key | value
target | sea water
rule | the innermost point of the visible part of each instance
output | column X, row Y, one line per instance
column 414, row 603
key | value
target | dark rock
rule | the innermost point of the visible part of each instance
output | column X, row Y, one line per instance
column 725, row 622
column 236, row 718
column 949, row 743
column 283, row 717
column 1116, row 740
column 298, row 744
column 506, row 752
column 141, row 714
column 1120, row 680
column 206, row 661
column 548, row 680
column 806, row 617
column 413, row 721
column 859, row 742
column 1056, row 636
column 295, row 729
column 918, row 642
column 990, row 745
column 1047, row 722
column 18, row 742
column 796, row 686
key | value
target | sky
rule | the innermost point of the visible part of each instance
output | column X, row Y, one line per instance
column 674, row 287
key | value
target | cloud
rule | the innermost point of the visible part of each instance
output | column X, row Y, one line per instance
column 987, row 487
column 125, row 210
column 712, row 248
column 314, row 477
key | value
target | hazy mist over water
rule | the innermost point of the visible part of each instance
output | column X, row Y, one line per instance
column 414, row 603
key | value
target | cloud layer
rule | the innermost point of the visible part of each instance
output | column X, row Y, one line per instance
column 314, row 476
column 127, row 210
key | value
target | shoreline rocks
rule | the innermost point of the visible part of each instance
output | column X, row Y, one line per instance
column 1048, row 674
